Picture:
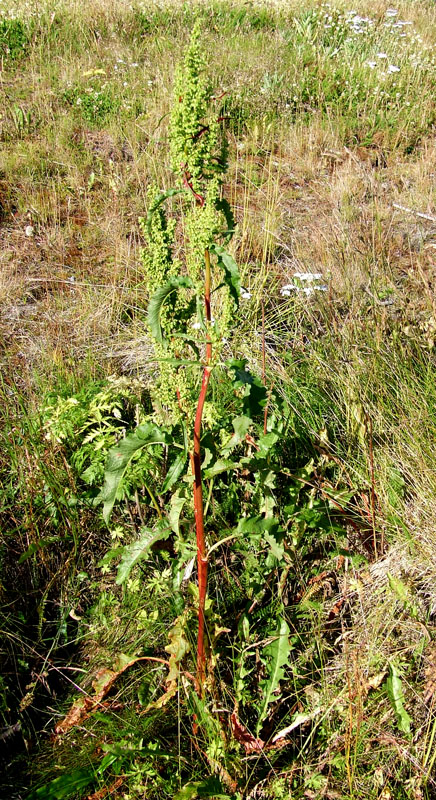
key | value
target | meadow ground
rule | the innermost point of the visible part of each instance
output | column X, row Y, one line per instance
column 329, row 111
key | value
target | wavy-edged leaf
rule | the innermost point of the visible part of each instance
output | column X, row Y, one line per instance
column 275, row 656
column 231, row 272
column 161, row 197
column 119, row 457
column 159, row 297
column 136, row 551
column 177, row 648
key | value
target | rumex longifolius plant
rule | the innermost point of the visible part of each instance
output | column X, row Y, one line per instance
column 192, row 297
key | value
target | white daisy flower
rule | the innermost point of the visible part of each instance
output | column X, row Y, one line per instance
column 392, row 68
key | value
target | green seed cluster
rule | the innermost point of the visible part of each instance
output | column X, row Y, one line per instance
column 196, row 151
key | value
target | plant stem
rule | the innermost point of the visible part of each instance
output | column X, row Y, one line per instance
column 199, row 527
column 202, row 561
column 207, row 287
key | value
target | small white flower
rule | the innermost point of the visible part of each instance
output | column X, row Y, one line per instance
column 393, row 68
column 196, row 326
column 135, row 64
column 308, row 276
column 286, row 292
column 322, row 288
column 307, row 290
column 246, row 295
column 391, row 12
column 371, row 64
column 382, row 55
column 29, row 231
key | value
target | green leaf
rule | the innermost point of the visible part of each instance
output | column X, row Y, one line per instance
column 34, row 547
column 277, row 548
column 156, row 302
column 275, row 656
column 158, row 201
column 231, row 272
column 402, row 591
column 64, row 786
column 241, row 426
column 133, row 553
column 394, row 689
column 176, row 506
column 258, row 525
column 177, row 466
column 399, row 588
column 224, row 206
column 267, row 441
column 256, row 395
column 196, row 789
column 222, row 465
column 119, row 457
column 174, row 472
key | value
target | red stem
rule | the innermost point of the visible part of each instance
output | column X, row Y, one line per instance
column 202, row 562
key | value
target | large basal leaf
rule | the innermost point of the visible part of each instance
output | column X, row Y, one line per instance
column 119, row 457
column 275, row 657
column 133, row 553
column 230, row 269
column 159, row 297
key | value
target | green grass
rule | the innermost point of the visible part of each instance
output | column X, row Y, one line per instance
column 324, row 141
